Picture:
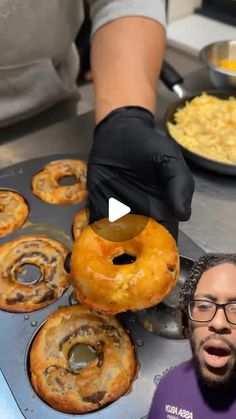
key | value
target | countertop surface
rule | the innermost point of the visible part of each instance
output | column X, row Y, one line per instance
column 212, row 225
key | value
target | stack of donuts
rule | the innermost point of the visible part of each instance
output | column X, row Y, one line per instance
column 102, row 287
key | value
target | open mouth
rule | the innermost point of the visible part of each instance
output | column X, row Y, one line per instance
column 216, row 356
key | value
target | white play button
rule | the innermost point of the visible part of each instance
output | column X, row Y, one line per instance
column 117, row 210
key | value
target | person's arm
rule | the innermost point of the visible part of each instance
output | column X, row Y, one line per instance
column 127, row 49
column 126, row 58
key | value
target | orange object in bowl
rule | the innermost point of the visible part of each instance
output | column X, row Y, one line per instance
column 227, row 64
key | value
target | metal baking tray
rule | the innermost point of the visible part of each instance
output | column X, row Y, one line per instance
column 156, row 354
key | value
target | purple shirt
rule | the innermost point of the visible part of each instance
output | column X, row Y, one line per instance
column 179, row 395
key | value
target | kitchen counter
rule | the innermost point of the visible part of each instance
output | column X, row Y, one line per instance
column 212, row 225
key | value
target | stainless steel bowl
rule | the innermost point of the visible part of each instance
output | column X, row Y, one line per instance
column 211, row 55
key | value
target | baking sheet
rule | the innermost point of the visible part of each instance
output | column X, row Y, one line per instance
column 156, row 355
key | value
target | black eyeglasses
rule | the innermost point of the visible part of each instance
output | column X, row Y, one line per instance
column 205, row 311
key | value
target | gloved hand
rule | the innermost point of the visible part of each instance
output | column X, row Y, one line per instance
column 130, row 161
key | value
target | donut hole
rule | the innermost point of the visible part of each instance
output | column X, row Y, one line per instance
column 67, row 180
column 79, row 356
column 124, row 259
column 28, row 273
column 171, row 268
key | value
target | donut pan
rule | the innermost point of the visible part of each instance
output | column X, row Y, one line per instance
column 156, row 354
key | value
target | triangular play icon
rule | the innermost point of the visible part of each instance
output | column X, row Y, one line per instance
column 117, row 210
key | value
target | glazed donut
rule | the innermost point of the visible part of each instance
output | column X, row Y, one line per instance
column 105, row 378
column 111, row 288
column 80, row 222
column 37, row 250
column 45, row 184
column 13, row 212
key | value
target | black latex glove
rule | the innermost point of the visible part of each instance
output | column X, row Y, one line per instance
column 129, row 161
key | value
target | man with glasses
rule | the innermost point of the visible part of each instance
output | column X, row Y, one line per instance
column 205, row 386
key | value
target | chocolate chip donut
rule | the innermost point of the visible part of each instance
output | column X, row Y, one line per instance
column 38, row 251
column 109, row 287
column 46, row 186
column 13, row 212
column 80, row 222
column 101, row 381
